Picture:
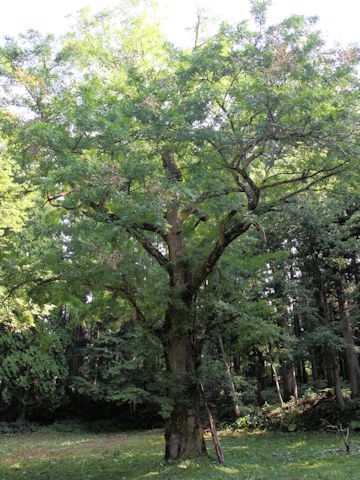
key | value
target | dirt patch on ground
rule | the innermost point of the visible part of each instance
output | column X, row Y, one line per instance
column 108, row 443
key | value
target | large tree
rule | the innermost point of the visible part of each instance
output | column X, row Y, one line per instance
column 144, row 147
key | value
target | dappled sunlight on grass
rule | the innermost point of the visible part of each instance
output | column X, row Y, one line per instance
column 227, row 470
column 137, row 456
column 297, row 445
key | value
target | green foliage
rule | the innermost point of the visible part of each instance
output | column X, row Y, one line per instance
column 20, row 426
column 33, row 369
column 130, row 140
column 122, row 367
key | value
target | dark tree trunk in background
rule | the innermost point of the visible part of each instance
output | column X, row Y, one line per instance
column 333, row 376
column 352, row 362
column 236, row 363
column 301, row 373
column 260, row 376
column 95, row 360
column 300, row 365
column 330, row 354
column 288, row 375
column 79, row 342
column 314, row 367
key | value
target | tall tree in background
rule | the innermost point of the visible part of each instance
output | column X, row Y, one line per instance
column 143, row 147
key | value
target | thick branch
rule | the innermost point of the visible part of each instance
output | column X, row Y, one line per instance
column 225, row 238
column 134, row 230
column 150, row 248
column 246, row 184
column 172, row 171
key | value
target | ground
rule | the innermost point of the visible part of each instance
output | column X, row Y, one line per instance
column 139, row 456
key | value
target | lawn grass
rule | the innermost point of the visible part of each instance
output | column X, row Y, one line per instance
column 137, row 456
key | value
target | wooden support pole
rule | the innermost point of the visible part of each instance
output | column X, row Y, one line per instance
column 214, row 434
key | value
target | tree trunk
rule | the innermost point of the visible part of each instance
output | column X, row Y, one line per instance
column 330, row 355
column 314, row 367
column 289, row 381
column 352, row 362
column 294, row 383
column 338, row 393
column 183, row 430
column 236, row 363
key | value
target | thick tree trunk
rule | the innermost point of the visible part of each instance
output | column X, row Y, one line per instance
column 183, row 430
column 289, row 381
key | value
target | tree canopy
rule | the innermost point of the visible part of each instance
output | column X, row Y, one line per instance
column 148, row 164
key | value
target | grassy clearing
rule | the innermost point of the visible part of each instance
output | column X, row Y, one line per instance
column 135, row 456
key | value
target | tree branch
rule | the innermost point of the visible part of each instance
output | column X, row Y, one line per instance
column 225, row 238
column 303, row 177
column 36, row 280
column 150, row 248
column 206, row 196
column 266, row 208
column 124, row 291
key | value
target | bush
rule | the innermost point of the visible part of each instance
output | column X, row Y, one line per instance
column 305, row 414
column 20, row 426
column 68, row 426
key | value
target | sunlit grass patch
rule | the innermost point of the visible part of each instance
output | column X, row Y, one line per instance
column 137, row 456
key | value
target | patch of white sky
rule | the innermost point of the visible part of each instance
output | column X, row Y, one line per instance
column 339, row 20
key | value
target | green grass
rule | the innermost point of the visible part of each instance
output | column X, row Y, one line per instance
column 139, row 456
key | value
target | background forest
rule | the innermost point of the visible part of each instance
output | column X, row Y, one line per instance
column 174, row 217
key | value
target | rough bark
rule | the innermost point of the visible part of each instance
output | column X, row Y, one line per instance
column 183, row 430
column 79, row 342
column 352, row 362
column 289, row 381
